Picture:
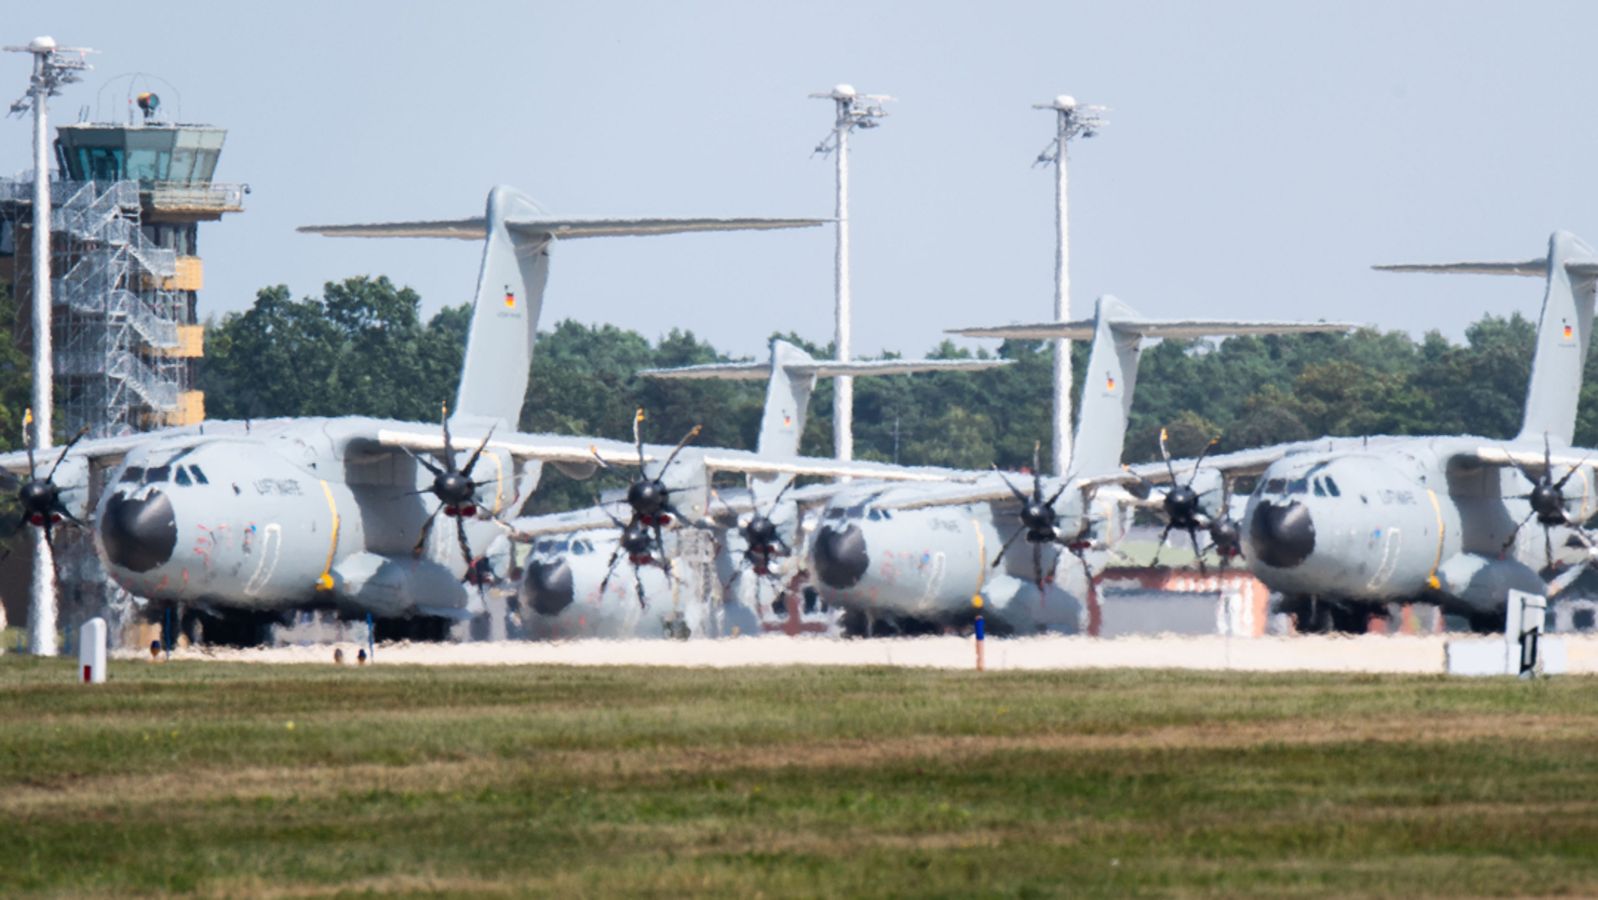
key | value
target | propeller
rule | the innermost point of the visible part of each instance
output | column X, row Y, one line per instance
column 457, row 496
column 1226, row 535
column 40, row 498
column 1547, row 501
column 1038, row 518
column 763, row 543
column 1181, row 505
column 642, row 537
column 648, row 495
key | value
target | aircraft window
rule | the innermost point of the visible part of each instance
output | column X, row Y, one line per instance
column 1298, row 486
column 1275, row 486
column 199, row 477
column 1331, row 487
column 1320, row 491
column 886, row 514
column 562, row 546
column 834, row 513
column 874, row 516
column 157, row 474
column 132, row 475
column 541, row 546
column 182, row 477
column 579, row 547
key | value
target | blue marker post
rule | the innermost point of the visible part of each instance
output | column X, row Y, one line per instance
column 166, row 635
column 371, row 640
column 976, row 601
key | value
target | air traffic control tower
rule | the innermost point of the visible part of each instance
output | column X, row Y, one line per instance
column 128, row 200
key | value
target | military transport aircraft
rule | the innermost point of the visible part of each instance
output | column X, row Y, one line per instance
column 913, row 558
column 569, row 586
column 244, row 521
column 1342, row 528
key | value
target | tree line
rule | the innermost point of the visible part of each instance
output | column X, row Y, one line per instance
column 363, row 348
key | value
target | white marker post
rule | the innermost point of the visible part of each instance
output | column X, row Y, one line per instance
column 91, row 651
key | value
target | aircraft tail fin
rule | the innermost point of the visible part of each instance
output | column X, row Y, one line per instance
column 792, row 375
column 1117, row 332
column 517, row 236
column 1564, row 329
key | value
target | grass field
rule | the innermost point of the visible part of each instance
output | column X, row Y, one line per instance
column 245, row 780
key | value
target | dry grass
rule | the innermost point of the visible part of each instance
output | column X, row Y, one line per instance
column 190, row 779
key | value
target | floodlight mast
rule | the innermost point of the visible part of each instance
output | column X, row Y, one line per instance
column 53, row 68
column 855, row 110
column 1072, row 121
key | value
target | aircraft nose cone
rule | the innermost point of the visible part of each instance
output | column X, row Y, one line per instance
column 138, row 533
column 1283, row 536
column 546, row 587
column 840, row 556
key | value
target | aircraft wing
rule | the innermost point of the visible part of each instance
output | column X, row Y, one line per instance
column 1083, row 329
column 1240, row 462
column 590, row 518
column 1528, row 459
column 568, row 449
column 561, row 227
column 111, row 449
column 991, row 488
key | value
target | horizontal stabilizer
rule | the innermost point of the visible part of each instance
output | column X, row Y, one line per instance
column 752, row 371
column 563, row 228
column 1082, row 329
column 1531, row 268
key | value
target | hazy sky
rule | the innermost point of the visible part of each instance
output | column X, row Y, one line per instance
column 1259, row 158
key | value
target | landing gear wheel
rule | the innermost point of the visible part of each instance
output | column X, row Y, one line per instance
column 1311, row 616
column 1486, row 623
column 229, row 627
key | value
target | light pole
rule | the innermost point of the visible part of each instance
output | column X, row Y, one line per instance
column 1071, row 121
column 53, row 68
column 855, row 110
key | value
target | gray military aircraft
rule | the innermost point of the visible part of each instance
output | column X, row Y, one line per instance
column 1341, row 528
column 569, row 586
column 241, row 521
column 912, row 558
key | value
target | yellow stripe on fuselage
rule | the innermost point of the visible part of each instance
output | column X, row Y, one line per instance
column 325, row 581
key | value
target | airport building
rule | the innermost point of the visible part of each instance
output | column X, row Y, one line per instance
column 128, row 201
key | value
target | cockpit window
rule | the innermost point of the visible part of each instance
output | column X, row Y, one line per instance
column 835, row 513
column 182, row 478
column 157, row 474
column 132, row 475
column 1320, row 490
column 1298, row 486
column 1275, row 486
column 874, row 515
column 199, row 476
column 580, row 548
column 1331, row 487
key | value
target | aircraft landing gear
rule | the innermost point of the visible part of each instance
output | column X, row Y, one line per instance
column 1314, row 615
column 229, row 627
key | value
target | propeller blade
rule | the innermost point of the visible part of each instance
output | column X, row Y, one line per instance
column 1560, row 484
column 1515, row 532
column 638, row 437
column 477, row 453
column 65, row 450
column 29, row 438
column 1198, row 554
column 1037, row 473
column 638, row 584
column 1548, row 546
column 1166, row 455
column 1063, row 486
column 449, row 447
column 466, row 548
column 427, row 529
column 692, row 433
column 1161, row 545
column 1013, row 489
column 610, row 569
column 427, row 464
column 1037, row 570
column 1000, row 558
column 1200, row 461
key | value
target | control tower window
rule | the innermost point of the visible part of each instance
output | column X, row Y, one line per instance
column 98, row 163
column 146, row 164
